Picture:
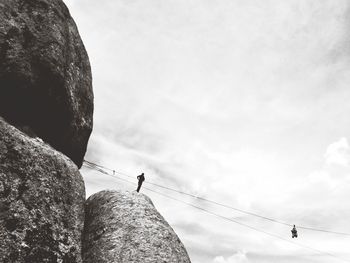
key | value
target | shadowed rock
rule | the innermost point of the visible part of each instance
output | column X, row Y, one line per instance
column 45, row 75
column 126, row 227
column 42, row 199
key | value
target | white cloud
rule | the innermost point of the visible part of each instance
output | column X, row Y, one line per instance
column 338, row 153
column 239, row 257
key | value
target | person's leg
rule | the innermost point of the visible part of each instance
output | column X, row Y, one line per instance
column 138, row 188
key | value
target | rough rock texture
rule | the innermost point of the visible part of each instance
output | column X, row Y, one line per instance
column 126, row 227
column 45, row 75
column 42, row 199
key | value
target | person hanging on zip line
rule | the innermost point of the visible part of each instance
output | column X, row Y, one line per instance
column 141, row 178
column 294, row 232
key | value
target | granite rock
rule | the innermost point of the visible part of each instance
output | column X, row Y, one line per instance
column 45, row 75
column 123, row 227
column 42, row 199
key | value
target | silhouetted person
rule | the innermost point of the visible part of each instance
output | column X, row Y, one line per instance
column 294, row 232
column 141, row 178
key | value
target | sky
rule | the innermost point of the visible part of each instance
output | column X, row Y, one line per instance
column 244, row 102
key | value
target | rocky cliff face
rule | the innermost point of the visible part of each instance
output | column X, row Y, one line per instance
column 42, row 199
column 45, row 90
column 45, row 75
column 126, row 227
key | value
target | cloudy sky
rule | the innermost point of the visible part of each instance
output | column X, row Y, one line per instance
column 245, row 102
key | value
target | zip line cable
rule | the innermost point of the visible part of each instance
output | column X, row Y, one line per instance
column 227, row 218
column 251, row 227
column 219, row 204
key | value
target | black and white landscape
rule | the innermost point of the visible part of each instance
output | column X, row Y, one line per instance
column 236, row 111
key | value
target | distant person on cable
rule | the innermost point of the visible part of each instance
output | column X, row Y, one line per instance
column 294, row 232
column 141, row 178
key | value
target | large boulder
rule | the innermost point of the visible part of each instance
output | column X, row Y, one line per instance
column 42, row 199
column 45, row 75
column 126, row 227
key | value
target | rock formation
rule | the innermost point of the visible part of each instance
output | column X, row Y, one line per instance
column 46, row 106
column 45, row 75
column 42, row 199
column 126, row 227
